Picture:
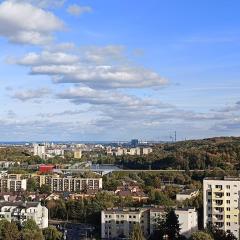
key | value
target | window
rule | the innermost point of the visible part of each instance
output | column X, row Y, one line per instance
column 228, row 208
column 228, row 194
column 228, row 224
column 228, row 216
column 228, row 186
column 228, row 201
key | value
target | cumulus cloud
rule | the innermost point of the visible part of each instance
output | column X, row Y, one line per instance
column 80, row 95
column 106, row 54
column 102, row 76
column 31, row 94
column 231, row 108
column 24, row 23
column 77, row 10
column 95, row 67
column 48, row 58
column 228, row 125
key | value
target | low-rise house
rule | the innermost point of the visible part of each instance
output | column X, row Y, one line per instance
column 21, row 211
column 186, row 194
column 137, row 196
column 131, row 189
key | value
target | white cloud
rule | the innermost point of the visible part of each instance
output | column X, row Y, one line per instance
column 47, row 58
column 106, row 54
column 80, row 95
column 95, row 67
column 31, row 94
column 77, row 10
column 24, row 23
column 102, row 76
column 43, row 3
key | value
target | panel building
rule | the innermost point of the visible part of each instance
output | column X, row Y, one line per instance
column 12, row 185
column 120, row 222
column 68, row 184
column 221, row 203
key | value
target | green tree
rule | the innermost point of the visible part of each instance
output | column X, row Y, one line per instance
column 201, row 236
column 31, row 231
column 172, row 225
column 51, row 233
column 45, row 189
column 160, row 230
column 31, row 185
column 9, row 230
column 137, row 233
column 219, row 234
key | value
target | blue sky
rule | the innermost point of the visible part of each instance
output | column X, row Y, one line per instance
column 116, row 70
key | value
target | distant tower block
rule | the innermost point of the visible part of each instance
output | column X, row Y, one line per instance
column 78, row 153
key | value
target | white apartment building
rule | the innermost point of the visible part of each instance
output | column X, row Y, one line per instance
column 129, row 151
column 13, row 185
column 21, row 211
column 39, row 150
column 221, row 203
column 120, row 222
column 188, row 220
column 72, row 184
column 69, row 184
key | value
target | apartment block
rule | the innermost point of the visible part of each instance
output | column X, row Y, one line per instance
column 69, row 184
column 119, row 151
column 21, row 211
column 188, row 220
column 120, row 222
column 13, row 185
column 78, row 153
column 39, row 150
column 221, row 203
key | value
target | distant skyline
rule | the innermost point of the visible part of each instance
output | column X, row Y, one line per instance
column 116, row 70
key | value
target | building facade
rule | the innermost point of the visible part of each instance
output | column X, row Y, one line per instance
column 13, row 185
column 186, row 194
column 68, row 184
column 78, row 153
column 120, row 222
column 21, row 211
column 39, row 150
column 221, row 203
column 188, row 220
